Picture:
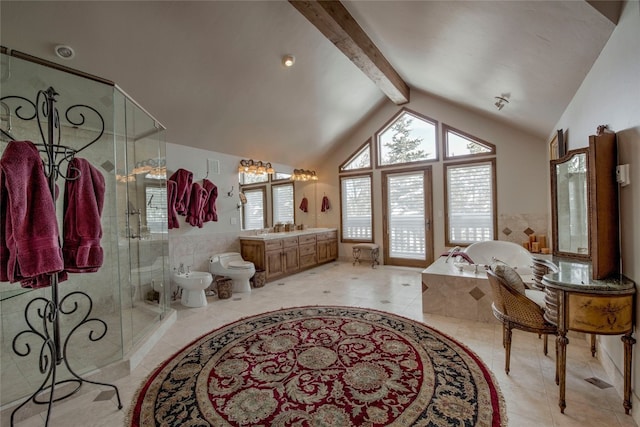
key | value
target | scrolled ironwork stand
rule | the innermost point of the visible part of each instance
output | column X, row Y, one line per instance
column 43, row 315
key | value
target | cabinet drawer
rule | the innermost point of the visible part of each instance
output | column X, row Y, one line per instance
column 307, row 260
column 272, row 245
column 307, row 249
column 328, row 235
column 290, row 242
column 307, row 239
column 600, row 314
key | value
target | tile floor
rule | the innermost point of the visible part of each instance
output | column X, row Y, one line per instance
column 529, row 391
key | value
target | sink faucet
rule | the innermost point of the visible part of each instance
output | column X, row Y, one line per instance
column 188, row 269
column 451, row 252
column 181, row 268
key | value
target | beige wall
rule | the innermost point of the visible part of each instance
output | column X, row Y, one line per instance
column 522, row 169
column 610, row 94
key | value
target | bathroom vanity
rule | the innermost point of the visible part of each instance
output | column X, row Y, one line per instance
column 282, row 254
column 576, row 302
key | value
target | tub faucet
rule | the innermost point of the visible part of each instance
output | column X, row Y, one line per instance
column 451, row 252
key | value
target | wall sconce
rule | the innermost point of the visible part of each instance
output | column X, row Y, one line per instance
column 152, row 167
column 304, row 175
column 255, row 167
column 502, row 100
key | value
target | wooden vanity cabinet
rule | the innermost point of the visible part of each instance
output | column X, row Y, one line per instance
column 281, row 257
column 307, row 251
column 327, row 246
column 290, row 255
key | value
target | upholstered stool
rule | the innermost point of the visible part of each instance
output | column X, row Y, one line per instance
column 374, row 250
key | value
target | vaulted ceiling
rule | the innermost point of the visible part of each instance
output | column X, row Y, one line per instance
column 211, row 71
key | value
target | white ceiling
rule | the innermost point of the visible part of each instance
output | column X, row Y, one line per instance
column 211, row 71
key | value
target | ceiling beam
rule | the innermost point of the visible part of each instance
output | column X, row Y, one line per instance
column 334, row 21
column 610, row 9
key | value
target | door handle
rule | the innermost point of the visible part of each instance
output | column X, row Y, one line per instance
column 427, row 224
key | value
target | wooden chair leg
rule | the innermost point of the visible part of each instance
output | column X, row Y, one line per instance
column 504, row 335
column 507, row 349
column 546, row 340
column 557, row 377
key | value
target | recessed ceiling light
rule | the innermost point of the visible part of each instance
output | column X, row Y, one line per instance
column 288, row 60
column 64, row 52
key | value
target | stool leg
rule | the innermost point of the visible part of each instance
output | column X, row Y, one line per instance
column 356, row 256
column 374, row 258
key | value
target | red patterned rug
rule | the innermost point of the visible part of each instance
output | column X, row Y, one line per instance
column 321, row 366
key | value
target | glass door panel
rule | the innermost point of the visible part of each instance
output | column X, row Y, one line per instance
column 407, row 218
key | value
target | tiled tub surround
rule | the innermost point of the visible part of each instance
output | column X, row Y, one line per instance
column 463, row 293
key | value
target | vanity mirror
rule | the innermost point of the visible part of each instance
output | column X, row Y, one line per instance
column 570, row 205
column 584, row 202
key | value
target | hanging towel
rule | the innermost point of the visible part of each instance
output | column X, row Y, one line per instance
column 184, row 179
column 304, row 205
column 29, row 243
column 82, row 229
column 210, row 212
column 196, row 204
column 325, row 204
column 172, row 189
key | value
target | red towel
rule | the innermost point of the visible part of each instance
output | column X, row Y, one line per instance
column 210, row 212
column 172, row 189
column 29, row 243
column 325, row 204
column 196, row 204
column 82, row 229
column 304, row 205
column 183, row 178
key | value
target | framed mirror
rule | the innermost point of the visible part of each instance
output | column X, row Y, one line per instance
column 570, row 205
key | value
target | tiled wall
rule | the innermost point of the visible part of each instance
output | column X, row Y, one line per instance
column 516, row 228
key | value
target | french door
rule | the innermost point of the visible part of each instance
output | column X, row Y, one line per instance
column 408, row 217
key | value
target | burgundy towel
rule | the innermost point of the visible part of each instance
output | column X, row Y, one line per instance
column 184, row 179
column 82, row 229
column 210, row 211
column 172, row 189
column 29, row 240
column 196, row 204
column 304, row 205
column 325, row 204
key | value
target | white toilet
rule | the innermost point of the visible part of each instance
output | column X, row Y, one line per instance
column 231, row 265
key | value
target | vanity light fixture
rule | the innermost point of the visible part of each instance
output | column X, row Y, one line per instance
column 288, row 60
column 253, row 167
column 304, row 175
column 501, row 101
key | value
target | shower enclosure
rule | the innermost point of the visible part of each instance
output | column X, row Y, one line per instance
column 130, row 291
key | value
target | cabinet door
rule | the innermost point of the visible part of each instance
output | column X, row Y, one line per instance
column 333, row 249
column 323, row 251
column 275, row 266
column 308, row 255
column 291, row 262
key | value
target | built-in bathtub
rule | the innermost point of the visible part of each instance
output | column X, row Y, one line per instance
column 457, row 285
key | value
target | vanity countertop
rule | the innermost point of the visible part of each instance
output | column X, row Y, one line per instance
column 576, row 275
column 281, row 235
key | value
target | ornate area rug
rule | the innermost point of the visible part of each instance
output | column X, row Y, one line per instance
column 321, row 366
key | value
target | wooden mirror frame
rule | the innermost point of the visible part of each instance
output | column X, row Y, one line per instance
column 554, row 204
